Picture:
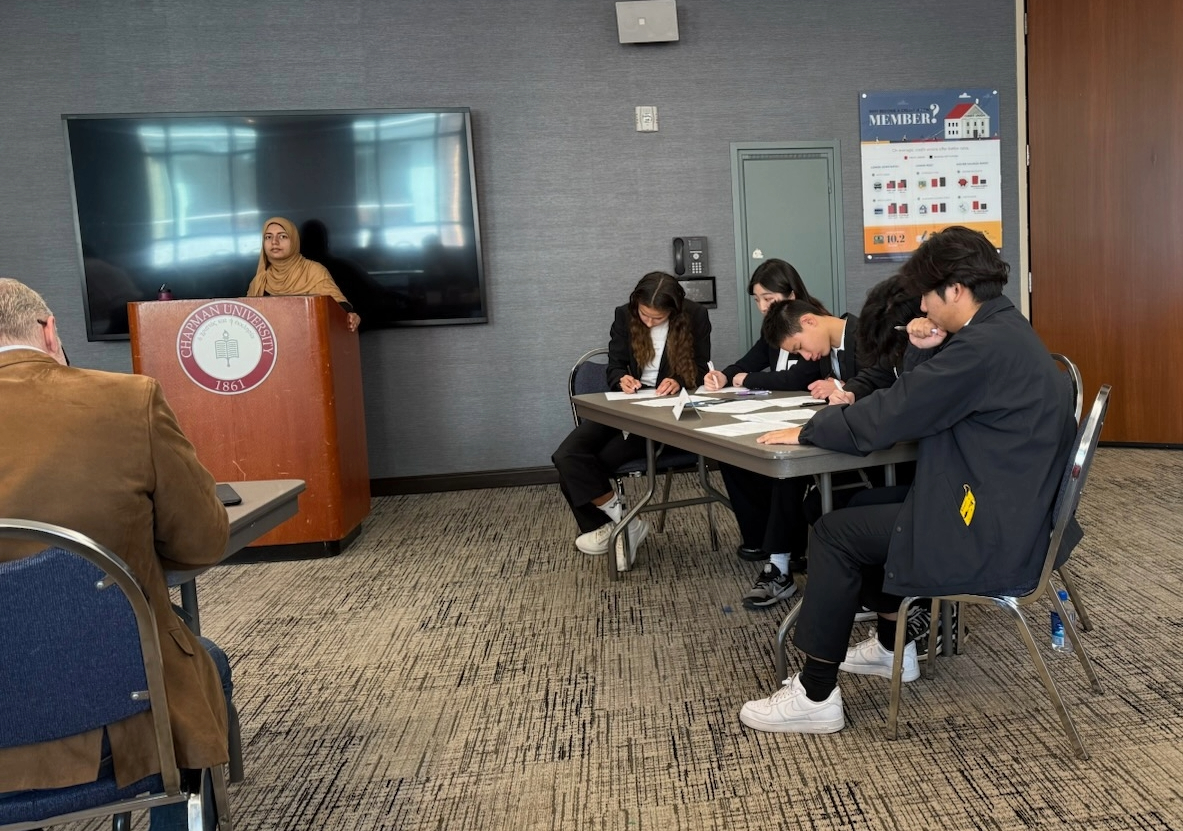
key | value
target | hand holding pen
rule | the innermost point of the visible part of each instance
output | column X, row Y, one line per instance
column 714, row 380
column 923, row 333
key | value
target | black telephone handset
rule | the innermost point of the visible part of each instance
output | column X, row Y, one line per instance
column 690, row 257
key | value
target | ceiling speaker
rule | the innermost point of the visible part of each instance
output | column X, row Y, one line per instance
column 647, row 21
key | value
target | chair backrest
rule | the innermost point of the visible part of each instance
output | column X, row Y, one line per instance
column 1074, row 379
column 1075, row 475
column 588, row 375
column 78, row 643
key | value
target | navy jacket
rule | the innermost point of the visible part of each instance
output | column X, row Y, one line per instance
column 993, row 417
column 620, row 351
column 759, row 363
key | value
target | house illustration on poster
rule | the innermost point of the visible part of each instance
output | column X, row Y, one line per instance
column 967, row 121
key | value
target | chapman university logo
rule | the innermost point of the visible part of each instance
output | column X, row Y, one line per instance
column 226, row 347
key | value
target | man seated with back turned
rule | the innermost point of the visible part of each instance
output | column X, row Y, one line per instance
column 102, row 454
column 993, row 419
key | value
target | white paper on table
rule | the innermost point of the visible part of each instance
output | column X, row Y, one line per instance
column 650, row 392
column 796, row 401
column 748, row 405
column 671, row 400
column 746, row 428
column 799, row 416
column 703, row 389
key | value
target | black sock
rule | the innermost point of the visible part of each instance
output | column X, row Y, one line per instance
column 818, row 678
column 887, row 634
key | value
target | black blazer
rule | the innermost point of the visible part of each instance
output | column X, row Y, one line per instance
column 759, row 363
column 620, row 351
column 992, row 416
column 847, row 358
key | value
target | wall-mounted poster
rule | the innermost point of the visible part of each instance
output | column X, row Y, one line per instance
column 930, row 160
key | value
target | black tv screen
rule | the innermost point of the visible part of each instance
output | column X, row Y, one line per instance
column 384, row 199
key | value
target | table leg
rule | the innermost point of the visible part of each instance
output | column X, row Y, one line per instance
column 825, row 488
column 651, row 478
column 189, row 604
column 889, row 475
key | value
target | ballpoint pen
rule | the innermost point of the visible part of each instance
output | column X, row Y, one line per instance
column 753, row 392
column 905, row 328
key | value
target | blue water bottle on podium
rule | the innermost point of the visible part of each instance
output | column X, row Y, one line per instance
column 1059, row 642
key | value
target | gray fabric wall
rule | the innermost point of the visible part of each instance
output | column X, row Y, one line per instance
column 575, row 205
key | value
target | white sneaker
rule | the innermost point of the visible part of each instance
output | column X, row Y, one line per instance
column 638, row 530
column 790, row 710
column 595, row 542
column 871, row 658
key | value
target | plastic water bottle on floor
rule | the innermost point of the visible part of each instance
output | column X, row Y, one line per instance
column 1060, row 643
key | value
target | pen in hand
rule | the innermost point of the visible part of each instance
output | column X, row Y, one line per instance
column 905, row 328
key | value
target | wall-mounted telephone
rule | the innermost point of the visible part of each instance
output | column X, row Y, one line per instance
column 690, row 257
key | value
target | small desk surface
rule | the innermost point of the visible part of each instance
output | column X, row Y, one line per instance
column 777, row 461
column 265, row 504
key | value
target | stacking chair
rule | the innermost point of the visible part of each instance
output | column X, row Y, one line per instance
column 1071, row 485
column 79, row 651
column 1074, row 379
column 590, row 374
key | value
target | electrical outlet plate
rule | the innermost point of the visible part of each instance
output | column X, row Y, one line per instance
column 646, row 119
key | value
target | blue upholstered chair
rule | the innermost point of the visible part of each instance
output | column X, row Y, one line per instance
column 590, row 374
column 79, row 651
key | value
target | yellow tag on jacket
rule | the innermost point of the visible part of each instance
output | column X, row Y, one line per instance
column 967, row 506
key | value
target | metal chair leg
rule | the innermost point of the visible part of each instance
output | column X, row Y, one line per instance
column 897, row 666
column 235, row 742
column 1045, row 676
column 1086, row 625
column 121, row 822
column 221, row 799
column 1077, row 643
column 933, row 615
column 782, row 637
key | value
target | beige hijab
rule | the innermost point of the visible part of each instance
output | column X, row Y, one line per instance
column 294, row 274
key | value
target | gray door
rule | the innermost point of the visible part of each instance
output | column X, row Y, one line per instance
column 787, row 198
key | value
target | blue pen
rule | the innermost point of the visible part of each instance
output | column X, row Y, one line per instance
column 753, row 392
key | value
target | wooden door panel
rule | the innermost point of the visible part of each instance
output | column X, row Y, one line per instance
column 1105, row 116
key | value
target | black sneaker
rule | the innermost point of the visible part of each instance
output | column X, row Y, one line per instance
column 752, row 555
column 919, row 620
column 770, row 588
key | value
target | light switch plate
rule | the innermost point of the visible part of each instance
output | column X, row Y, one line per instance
column 646, row 119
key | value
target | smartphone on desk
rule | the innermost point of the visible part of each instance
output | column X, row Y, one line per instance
column 228, row 495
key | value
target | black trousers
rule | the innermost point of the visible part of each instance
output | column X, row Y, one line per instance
column 586, row 460
column 769, row 511
column 846, row 558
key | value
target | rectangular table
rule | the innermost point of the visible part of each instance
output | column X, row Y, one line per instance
column 265, row 504
column 657, row 424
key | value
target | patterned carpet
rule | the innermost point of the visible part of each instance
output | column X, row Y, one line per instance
column 463, row 666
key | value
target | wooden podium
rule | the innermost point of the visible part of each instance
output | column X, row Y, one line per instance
column 267, row 388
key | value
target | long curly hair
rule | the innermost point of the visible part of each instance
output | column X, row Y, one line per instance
column 662, row 292
column 889, row 304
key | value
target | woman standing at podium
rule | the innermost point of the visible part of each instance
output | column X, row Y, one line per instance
column 284, row 271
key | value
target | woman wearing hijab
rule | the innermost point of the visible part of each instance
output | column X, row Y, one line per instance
column 283, row 271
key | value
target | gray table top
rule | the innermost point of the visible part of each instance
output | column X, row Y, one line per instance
column 778, row 461
column 265, row 504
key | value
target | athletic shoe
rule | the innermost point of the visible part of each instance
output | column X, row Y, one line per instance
column 595, row 542
column 864, row 614
column 752, row 555
column 870, row 658
column 638, row 529
column 790, row 710
column 770, row 587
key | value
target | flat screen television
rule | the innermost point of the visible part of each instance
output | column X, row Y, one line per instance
column 386, row 200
